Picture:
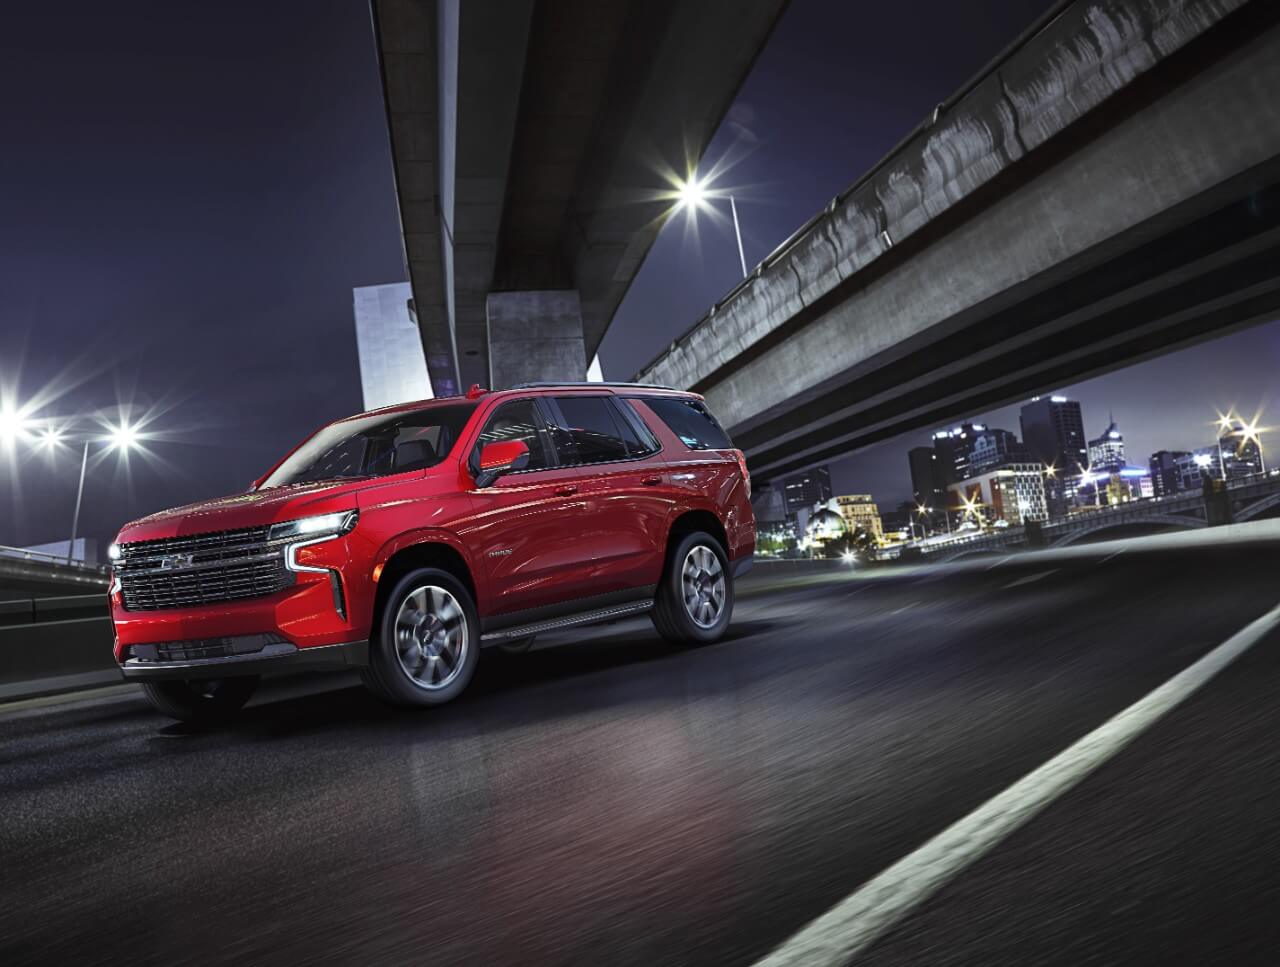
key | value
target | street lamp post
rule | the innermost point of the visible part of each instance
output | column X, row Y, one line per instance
column 737, row 231
column 75, row 520
column 693, row 194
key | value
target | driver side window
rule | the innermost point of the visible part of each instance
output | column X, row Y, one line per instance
column 519, row 420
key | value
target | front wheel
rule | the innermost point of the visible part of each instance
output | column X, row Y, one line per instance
column 695, row 600
column 207, row 700
column 427, row 641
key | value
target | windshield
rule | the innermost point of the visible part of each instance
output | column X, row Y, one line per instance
column 374, row 446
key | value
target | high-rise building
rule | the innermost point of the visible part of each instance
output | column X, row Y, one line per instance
column 393, row 368
column 954, row 449
column 926, row 487
column 1013, row 493
column 807, row 489
column 993, row 448
column 1107, row 451
column 1166, row 474
column 860, row 511
column 1241, row 454
column 1197, row 465
column 1053, row 433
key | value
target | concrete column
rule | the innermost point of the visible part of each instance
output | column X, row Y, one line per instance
column 534, row 336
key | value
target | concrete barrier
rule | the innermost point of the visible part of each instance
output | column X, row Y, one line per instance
column 55, row 644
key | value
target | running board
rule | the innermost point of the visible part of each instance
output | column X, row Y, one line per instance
column 569, row 621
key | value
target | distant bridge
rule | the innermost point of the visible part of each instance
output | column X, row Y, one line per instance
column 1248, row 499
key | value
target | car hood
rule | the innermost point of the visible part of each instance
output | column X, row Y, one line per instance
column 253, row 509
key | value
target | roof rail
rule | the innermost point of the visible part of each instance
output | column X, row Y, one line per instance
column 545, row 384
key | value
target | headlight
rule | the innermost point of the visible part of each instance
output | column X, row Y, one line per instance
column 328, row 525
column 113, row 552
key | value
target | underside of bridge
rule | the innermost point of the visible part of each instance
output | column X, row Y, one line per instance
column 1110, row 191
column 533, row 142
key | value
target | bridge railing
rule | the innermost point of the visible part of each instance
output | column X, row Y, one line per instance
column 43, row 557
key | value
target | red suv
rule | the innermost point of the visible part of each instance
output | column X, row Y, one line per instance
column 404, row 540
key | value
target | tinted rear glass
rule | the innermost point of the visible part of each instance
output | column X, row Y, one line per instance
column 691, row 422
column 586, row 430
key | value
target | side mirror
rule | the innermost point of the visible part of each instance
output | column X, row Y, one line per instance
column 502, row 456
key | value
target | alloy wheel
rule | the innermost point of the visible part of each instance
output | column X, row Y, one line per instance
column 431, row 637
column 702, row 580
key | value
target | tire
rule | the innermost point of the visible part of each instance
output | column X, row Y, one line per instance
column 516, row 646
column 203, row 700
column 426, row 641
column 689, row 610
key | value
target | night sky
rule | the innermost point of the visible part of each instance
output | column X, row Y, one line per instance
column 190, row 192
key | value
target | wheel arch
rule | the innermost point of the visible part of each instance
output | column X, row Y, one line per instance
column 697, row 520
column 412, row 555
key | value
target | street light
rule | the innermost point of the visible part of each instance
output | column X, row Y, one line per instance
column 694, row 195
column 13, row 425
column 120, row 437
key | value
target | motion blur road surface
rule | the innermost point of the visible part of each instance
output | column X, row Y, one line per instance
column 610, row 799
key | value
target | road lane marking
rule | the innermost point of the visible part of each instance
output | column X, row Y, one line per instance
column 855, row 923
column 1028, row 579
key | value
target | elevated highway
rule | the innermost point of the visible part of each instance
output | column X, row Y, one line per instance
column 533, row 145
column 1105, row 191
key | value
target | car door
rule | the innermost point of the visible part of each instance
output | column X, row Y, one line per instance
column 624, row 481
column 525, row 525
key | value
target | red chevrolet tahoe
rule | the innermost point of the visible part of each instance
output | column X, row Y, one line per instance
column 404, row 540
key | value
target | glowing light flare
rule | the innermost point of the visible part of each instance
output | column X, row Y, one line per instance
column 122, row 437
column 14, row 424
column 692, row 194
column 51, row 438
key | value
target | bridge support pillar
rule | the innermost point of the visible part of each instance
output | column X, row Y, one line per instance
column 535, row 335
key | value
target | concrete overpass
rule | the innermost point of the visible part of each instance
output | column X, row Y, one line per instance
column 529, row 141
column 1105, row 191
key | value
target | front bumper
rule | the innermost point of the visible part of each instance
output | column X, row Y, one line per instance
column 236, row 656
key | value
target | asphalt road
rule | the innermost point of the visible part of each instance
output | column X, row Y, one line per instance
column 609, row 799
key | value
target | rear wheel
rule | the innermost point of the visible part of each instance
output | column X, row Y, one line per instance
column 695, row 600
column 427, row 641
column 207, row 700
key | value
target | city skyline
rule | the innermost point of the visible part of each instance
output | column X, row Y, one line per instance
column 1167, row 403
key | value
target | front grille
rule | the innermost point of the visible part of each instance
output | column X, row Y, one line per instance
column 182, row 572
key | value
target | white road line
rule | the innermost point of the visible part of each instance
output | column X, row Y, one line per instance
column 1029, row 579
column 860, row 919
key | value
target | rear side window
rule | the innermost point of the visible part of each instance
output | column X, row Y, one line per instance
column 691, row 422
column 586, row 429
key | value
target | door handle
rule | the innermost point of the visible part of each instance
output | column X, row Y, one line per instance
column 568, row 491
column 652, row 481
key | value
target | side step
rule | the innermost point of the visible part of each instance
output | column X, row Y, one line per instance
column 569, row 621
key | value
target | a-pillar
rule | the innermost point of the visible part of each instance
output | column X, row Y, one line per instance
column 535, row 335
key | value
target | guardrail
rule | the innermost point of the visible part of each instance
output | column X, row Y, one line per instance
column 43, row 557
column 55, row 644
